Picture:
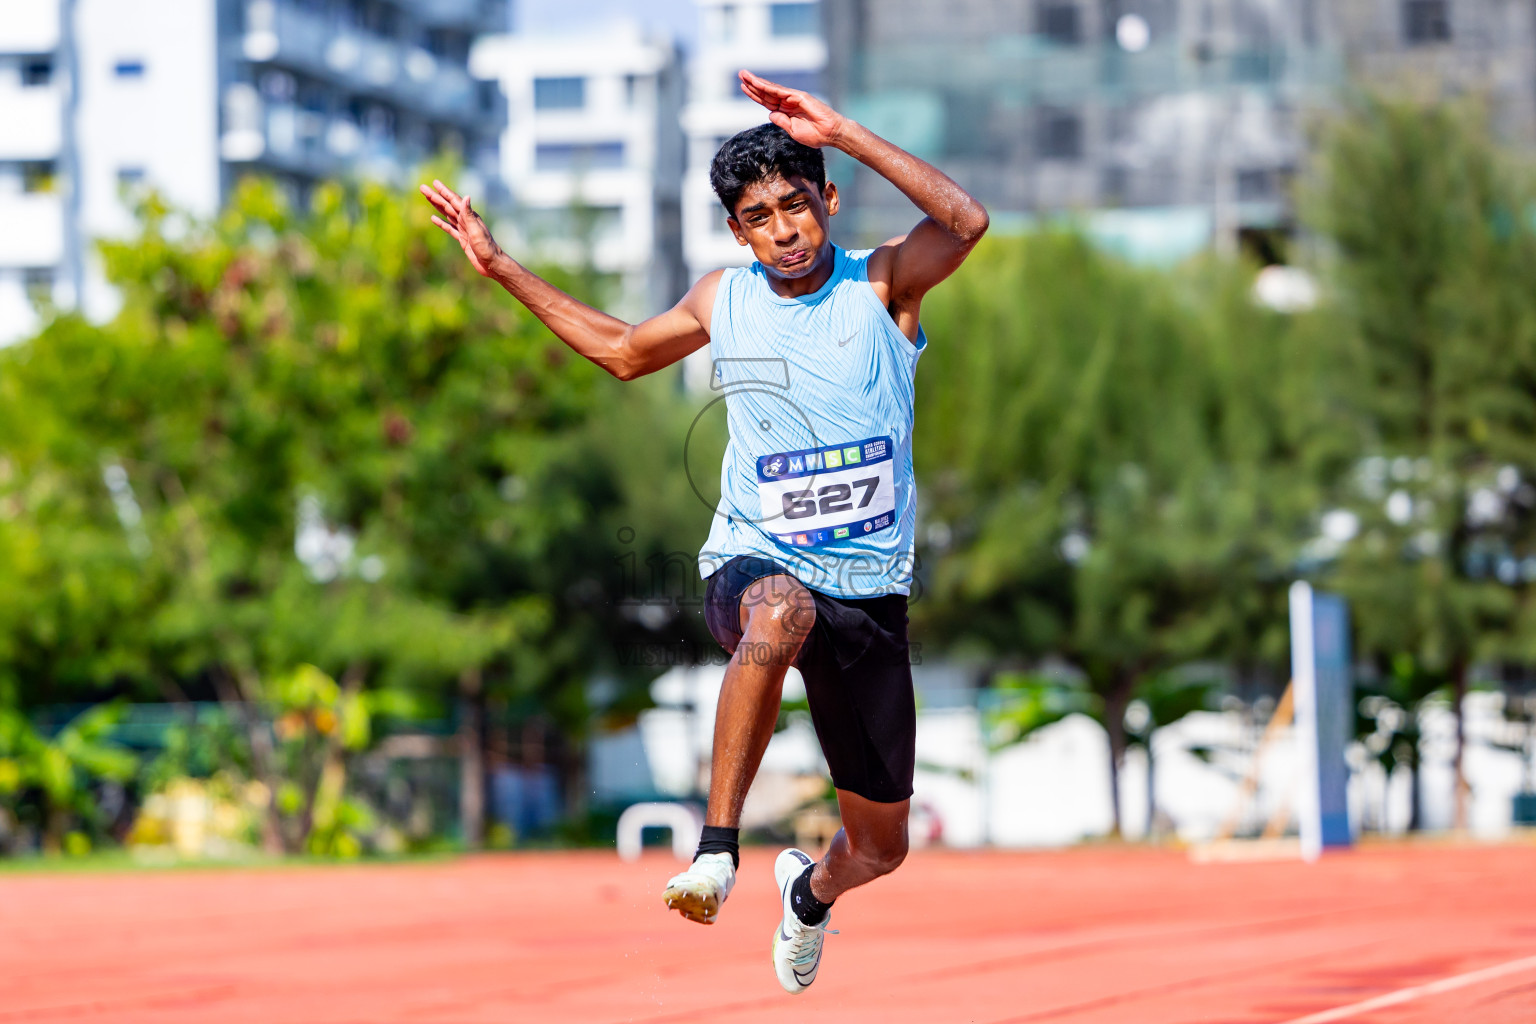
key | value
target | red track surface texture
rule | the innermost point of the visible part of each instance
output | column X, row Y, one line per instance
column 1083, row 936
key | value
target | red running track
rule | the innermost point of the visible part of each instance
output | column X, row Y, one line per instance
column 1082, row 936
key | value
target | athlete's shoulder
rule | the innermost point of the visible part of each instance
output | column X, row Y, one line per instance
column 881, row 260
column 851, row 258
column 711, row 282
column 700, row 300
column 880, row 268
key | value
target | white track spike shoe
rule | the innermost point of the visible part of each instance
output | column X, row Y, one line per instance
column 796, row 945
column 698, row 892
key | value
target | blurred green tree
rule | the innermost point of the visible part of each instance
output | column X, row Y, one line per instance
column 316, row 438
column 1432, row 252
column 1118, row 465
column 52, row 775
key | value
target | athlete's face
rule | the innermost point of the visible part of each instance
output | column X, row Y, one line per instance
column 785, row 223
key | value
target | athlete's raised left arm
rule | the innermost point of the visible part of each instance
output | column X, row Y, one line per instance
column 905, row 268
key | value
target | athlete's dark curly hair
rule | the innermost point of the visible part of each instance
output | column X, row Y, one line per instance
column 758, row 154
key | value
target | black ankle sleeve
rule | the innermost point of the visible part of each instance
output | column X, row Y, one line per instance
column 807, row 907
column 715, row 839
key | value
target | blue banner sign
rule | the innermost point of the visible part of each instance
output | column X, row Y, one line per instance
column 1324, row 695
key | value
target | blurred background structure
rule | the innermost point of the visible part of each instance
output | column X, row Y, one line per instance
column 593, row 154
column 1170, row 125
column 105, row 100
column 312, row 541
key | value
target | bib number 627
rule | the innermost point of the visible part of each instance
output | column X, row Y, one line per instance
column 833, row 498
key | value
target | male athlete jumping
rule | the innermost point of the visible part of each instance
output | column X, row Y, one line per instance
column 810, row 556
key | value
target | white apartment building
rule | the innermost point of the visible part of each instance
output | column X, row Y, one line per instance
column 781, row 40
column 35, row 251
column 101, row 99
column 592, row 155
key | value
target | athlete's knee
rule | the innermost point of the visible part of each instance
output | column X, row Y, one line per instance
column 780, row 609
column 882, row 855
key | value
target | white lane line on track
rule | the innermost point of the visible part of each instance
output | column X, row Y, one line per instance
column 1407, row 995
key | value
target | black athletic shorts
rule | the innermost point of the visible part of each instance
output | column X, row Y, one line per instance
column 858, row 677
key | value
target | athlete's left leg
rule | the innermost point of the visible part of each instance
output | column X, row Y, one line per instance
column 871, row 843
column 859, row 687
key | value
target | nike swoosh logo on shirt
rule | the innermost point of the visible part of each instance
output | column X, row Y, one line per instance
column 846, row 340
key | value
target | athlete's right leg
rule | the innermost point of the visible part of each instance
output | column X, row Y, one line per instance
column 776, row 616
column 777, row 613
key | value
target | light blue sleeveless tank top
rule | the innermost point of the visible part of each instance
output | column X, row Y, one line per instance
column 819, row 399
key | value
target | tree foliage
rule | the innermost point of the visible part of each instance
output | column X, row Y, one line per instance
column 1433, row 251
column 315, row 438
column 1121, row 461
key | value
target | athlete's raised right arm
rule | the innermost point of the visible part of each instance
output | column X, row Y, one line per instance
column 625, row 350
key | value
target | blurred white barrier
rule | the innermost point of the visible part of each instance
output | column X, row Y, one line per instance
column 684, row 820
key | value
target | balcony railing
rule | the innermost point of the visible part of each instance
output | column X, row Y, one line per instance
column 476, row 15
column 1024, row 70
column 280, row 32
column 285, row 136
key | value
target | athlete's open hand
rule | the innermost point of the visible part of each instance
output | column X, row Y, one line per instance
column 809, row 121
column 461, row 221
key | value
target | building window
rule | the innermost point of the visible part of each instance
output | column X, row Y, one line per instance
column 1255, row 66
column 727, row 23
column 578, row 156
column 279, row 86
column 1114, row 185
column 601, row 223
column 1120, row 124
column 377, row 122
column 1255, row 184
column 805, row 81
column 128, row 69
column 598, row 224
column 487, row 95
column 559, row 93
column 1061, row 135
column 794, row 19
column 37, row 71
column 1159, row 16
column 447, row 44
column 129, row 177
column 1058, row 23
column 39, row 176
column 1426, row 21
column 38, row 282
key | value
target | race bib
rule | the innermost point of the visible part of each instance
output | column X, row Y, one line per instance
column 823, row 495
